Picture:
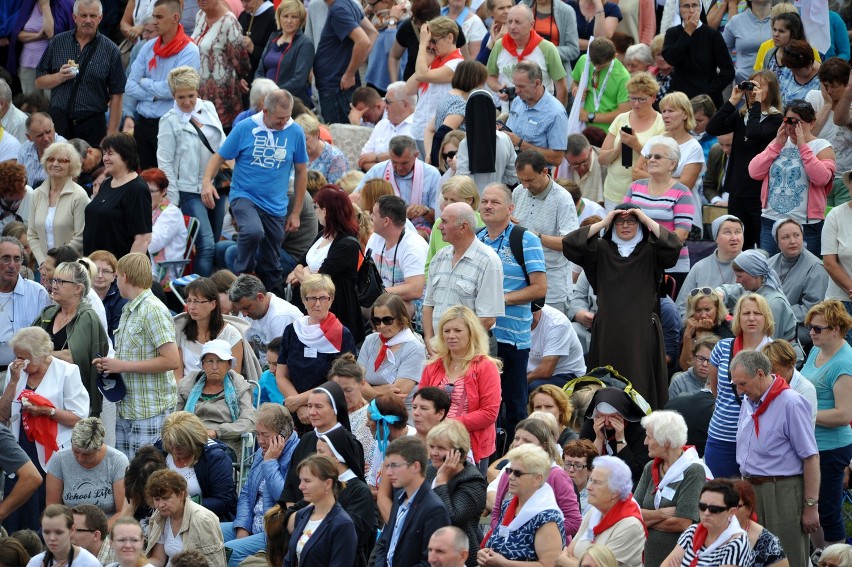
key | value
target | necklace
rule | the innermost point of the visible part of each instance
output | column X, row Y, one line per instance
column 783, row 275
column 3, row 306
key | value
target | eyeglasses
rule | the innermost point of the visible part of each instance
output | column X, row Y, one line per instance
column 701, row 359
column 198, row 301
column 704, row 507
column 316, row 298
column 386, row 321
column 817, row 329
column 125, row 541
column 62, row 161
column 78, row 530
column 11, row 259
column 57, row 281
column 394, row 466
column 656, row 157
column 627, row 221
column 574, row 466
column 105, row 272
column 638, row 99
column 701, row 290
column 792, row 120
column 449, row 155
column 580, row 164
column 515, row 472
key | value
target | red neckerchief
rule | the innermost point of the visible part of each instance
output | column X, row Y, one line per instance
column 332, row 328
column 655, row 468
column 737, row 346
column 778, row 386
column 511, row 512
column 533, row 41
column 40, row 429
column 439, row 62
column 625, row 508
column 698, row 539
column 172, row 48
column 383, row 351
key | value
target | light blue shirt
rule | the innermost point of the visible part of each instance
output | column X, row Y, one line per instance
column 401, row 513
column 28, row 300
column 431, row 183
column 263, row 166
column 150, row 86
column 544, row 125
column 514, row 327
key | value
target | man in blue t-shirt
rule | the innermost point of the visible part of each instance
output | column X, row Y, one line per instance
column 343, row 47
column 267, row 148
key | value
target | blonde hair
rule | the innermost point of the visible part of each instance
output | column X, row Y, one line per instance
column 721, row 309
column 136, row 267
column 88, row 434
column 644, row 83
column 679, row 101
column 782, row 8
column 350, row 180
column 309, row 124
column 465, row 188
column 601, row 555
column 183, row 78
column 657, row 44
column 443, row 26
column 290, row 7
column 453, row 432
column 317, row 282
column 762, row 306
column 184, row 430
column 534, row 459
column 67, row 151
column 372, row 190
column 833, row 312
column 478, row 344
column 33, row 340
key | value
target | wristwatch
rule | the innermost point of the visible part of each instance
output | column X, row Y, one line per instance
column 811, row 502
column 518, row 145
column 392, row 21
column 52, row 412
column 591, row 116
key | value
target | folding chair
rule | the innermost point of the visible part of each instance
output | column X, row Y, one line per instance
column 172, row 270
column 247, row 449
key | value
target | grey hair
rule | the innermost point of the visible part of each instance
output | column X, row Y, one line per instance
column 33, row 340
column 669, row 143
column 840, row 552
column 398, row 145
column 460, row 541
column 278, row 98
column 577, row 144
column 15, row 241
column 81, row 145
column 639, row 52
column 79, row 274
column 77, row 4
column 68, row 151
column 259, row 89
column 669, row 428
column 467, row 215
column 5, row 91
column 751, row 361
column 507, row 193
column 529, row 68
column 527, row 11
column 246, row 285
column 620, row 479
column 277, row 418
column 88, row 434
column 399, row 88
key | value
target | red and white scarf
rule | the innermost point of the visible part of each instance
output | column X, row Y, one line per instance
column 700, row 536
column 599, row 523
column 404, row 336
column 416, row 182
column 675, row 472
column 439, row 62
column 325, row 337
column 510, row 45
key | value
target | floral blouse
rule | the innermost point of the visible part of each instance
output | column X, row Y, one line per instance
column 332, row 163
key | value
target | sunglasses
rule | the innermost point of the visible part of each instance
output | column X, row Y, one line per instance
column 515, row 472
column 701, row 290
column 704, row 507
column 449, row 155
column 656, row 157
column 817, row 329
column 386, row 321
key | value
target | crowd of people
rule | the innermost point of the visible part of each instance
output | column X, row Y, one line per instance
column 409, row 282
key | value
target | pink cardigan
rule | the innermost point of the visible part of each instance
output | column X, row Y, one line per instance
column 482, row 388
column 820, row 176
column 566, row 498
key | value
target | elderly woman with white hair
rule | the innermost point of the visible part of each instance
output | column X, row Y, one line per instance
column 754, row 275
column 670, row 485
column 837, row 555
column 638, row 57
column 803, row 279
column 664, row 198
column 530, row 528
column 614, row 520
column 43, row 400
column 88, row 472
column 56, row 215
column 260, row 87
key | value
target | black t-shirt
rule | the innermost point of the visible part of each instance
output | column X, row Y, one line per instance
column 116, row 216
column 406, row 37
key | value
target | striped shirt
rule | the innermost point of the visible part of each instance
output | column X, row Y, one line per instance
column 104, row 76
column 734, row 552
column 673, row 209
column 514, row 327
column 145, row 326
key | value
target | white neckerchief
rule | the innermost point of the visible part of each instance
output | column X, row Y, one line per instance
column 264, row 6
column 595, row 517
column 675, row 472
column 543, row 499
column 625, row 247
column 312, row 336
column 262, row 127
column 732, row 530
column 404, row 336
column 347, row 475
column 185, row 117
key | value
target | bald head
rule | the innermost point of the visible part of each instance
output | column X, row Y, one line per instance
column 458, row 223
column 519, row 23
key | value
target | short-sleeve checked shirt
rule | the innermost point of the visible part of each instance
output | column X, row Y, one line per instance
column 476, row 281
column 104, row 75
column 145, row 326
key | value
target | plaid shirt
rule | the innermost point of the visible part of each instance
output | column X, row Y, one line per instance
column 145, row 326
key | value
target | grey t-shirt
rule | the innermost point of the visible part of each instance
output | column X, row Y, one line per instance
column 88, row 486
column 12, row 457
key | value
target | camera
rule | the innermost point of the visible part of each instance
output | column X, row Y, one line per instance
column 509, row 92
column 746, row 86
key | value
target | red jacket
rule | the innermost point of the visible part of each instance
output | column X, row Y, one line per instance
column 482, row 388
column 820, row 176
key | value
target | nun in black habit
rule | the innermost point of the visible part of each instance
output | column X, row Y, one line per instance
column 625, row 267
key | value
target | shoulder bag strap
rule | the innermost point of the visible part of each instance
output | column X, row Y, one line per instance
column 204, row 139
column 84, row 65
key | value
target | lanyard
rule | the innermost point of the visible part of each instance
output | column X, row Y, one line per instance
column 598, row 92
column 283, row 53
